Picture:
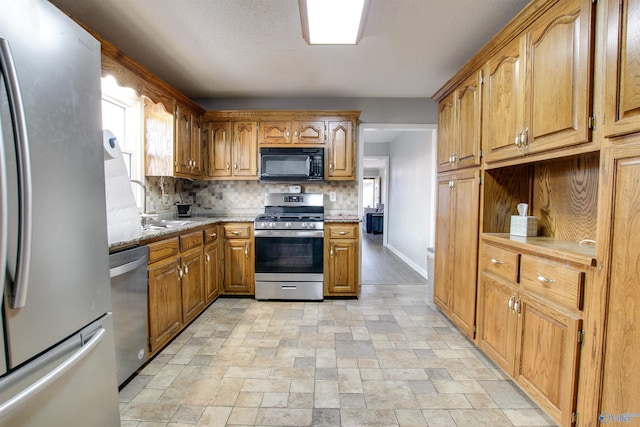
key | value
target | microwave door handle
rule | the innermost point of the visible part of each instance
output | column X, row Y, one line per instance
column 18, row 296
column 308, row 165
column 3, row 207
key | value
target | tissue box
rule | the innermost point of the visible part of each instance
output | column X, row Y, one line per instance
column 524, row 226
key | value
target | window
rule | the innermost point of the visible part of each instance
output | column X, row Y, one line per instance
column 122, row 114
column 370, row 192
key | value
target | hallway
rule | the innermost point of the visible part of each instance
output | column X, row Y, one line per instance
column 388, row 358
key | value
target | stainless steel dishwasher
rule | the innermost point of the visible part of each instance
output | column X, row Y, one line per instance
column 128, row 270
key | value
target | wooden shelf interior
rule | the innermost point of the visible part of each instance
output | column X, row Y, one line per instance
column 561, row 193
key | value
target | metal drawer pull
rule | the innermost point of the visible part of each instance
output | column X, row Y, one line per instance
column 545, row 280
column 496, row 261
column 342, row 233
column 235, row 232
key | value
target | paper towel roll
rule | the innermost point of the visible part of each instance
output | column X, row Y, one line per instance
column 123, row 221
column 110, row 145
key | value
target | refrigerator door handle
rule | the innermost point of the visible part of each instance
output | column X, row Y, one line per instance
column 18, row 296
column 42, row 383
column 3, row 207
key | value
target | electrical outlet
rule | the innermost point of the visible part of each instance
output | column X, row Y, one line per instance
column 332, row 196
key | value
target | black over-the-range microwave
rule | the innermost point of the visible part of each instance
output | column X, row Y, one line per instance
column 291, row 164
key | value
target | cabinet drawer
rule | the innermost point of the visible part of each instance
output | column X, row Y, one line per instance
column 210, row 235
column 163, row 249
column 501, row 262
column 343, row 231
column 558, row 282
column 237, row 231
column 190, row 240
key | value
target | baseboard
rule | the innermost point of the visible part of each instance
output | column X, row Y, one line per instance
column 413, row 265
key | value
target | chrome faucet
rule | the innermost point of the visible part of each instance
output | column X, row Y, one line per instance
column 144, row 190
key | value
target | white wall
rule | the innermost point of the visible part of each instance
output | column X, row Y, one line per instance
column 411, row 203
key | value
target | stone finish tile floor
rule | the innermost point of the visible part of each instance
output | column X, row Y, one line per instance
column 389, row 358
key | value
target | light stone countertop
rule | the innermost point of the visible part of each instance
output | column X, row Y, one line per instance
column 196, row 222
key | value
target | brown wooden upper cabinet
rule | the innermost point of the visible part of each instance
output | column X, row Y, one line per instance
column 622, row 88
column 538, row 88
column 459, row 126
column 285, row 132
column 188, row 142
column 341, row 153
column 231, row 150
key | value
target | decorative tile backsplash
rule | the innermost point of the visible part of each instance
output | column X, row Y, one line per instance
column 238, row 197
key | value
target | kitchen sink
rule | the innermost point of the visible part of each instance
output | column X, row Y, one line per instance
column 161, row 224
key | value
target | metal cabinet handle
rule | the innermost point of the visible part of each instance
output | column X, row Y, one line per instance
column 331, row 251
column 246, row 250
column 525, row 137
column 545, row 280
column 186, row 269
column 516, row 306
column 517, row 140
column 295, row 134
column 235, row 166
column 330, row 166
column 496, row 261
column 511, row 302
column 207, row 258
column 228, row 165
column 180, row 273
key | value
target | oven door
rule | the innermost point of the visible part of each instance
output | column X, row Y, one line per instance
column 288, row 252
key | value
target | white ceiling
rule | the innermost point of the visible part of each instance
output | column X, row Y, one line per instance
column 240, row 48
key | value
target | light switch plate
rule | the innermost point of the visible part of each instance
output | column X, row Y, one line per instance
column 332, row 196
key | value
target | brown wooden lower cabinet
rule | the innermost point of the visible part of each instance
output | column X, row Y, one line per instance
column 341, row 259
column 526, row 331
column 165, row 302
column 193, row 299
column 212, row 265
column 238, row 259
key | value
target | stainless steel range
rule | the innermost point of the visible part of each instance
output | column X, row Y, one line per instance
column 289, row 242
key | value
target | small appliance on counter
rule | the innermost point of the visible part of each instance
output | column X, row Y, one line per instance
column 184, row 209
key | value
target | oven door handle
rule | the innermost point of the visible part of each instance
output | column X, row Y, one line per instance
column 289, row 233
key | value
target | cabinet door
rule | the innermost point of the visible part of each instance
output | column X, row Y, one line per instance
column 497, row 322
column 446, row 132
column 341, row 151
column 466, row 193
column 212, row 272
column 278, row 132
column 309, row 132
column 245, row 149
column 547, row 357
column 192, row 284
column 621, row 376
column 558, row 100
column 622, row 88
column 444, row 229
column 219, row 149
column 503, row 110
column 343, row 267
column 468, row 122
column 158, row 139
column 196, row 145
column 165, row 305
column 183, row 141
column 238, row 277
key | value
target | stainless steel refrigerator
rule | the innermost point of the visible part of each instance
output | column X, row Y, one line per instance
column 57, row 357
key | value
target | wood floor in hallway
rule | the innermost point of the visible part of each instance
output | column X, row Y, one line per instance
column 381, row 266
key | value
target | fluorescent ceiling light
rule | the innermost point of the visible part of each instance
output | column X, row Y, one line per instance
column 332, row 21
